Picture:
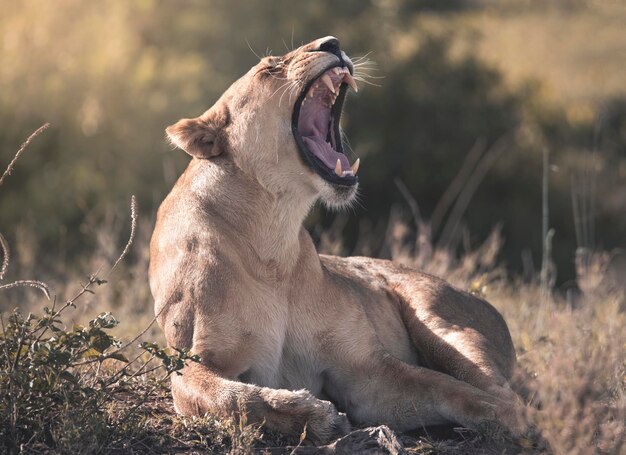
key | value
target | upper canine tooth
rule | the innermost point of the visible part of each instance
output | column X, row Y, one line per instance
column 329, row 83
column 351, row 82
column 336, row 70
column 338, row 170
column 355, row 166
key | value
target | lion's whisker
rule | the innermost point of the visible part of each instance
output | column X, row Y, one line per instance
column 285, row 91
column 252, row 50
column 273, row 94
column 286, row 47
column 358, row 59
column 367, row 75
column 365, row 81
column 367, row 65
column 296, row 87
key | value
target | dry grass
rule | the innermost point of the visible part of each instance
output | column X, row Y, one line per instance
column 571, row 350
column 571, row 354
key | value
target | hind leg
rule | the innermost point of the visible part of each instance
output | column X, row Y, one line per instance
column 457, row 333
column 380, row 388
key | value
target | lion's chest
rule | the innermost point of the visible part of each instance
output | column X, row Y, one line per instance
column 294, row 369
column 280, row 351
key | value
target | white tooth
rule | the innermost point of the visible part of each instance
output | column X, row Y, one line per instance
column 355, row 166
column 336, row 70
column 338, row 170
column 310, row 94
column 328, row 81
column 346, row 173
column 351, row 82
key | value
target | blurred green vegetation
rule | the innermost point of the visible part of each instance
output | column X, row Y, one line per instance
column 111, row 75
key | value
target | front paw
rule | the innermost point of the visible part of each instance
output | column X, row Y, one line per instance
column 327, row 424
column 298, row 410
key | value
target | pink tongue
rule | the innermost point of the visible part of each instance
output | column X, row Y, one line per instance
column 322, row 149
column 313, row 127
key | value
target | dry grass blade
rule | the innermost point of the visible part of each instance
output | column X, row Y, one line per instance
column 460, row 180
column 26, row 143
column 5, row 256
column 133, row 231
column 473, row 181
column 43, row 287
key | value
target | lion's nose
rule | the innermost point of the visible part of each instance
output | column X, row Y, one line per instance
column 330, row 44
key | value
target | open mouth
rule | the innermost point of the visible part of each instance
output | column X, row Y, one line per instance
column 315, row 125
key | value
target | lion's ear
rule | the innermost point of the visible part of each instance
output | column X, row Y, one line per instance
column 195, row 136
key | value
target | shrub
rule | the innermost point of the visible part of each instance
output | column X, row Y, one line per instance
column 57, row 383
column 57, row 388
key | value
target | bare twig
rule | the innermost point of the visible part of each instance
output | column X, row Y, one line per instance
column 302, row 438
column 122, row 371
column 93, row 279
column 26, row 143
column 43, row 287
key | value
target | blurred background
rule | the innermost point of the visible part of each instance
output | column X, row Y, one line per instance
column 492, row 138
column 469, row 98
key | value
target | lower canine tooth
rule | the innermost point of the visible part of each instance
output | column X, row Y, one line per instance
column 355, row 166
column 338, row 170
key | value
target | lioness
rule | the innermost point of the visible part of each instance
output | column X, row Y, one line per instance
column 293, row 337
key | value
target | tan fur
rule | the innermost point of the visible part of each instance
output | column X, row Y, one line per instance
column 281, row 331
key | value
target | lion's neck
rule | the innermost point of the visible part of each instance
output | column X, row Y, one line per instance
column 275, row 237
column 267, row 225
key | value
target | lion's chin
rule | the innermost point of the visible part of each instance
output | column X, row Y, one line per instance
column 337, row 197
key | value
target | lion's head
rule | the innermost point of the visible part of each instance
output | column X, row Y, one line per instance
column 280, row 124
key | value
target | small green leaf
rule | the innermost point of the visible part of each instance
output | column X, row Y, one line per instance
column 90, row 354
